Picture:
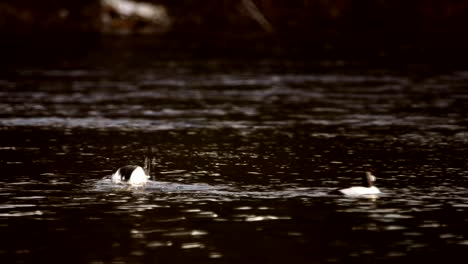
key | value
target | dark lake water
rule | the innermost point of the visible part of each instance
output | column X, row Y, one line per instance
column 244, row 155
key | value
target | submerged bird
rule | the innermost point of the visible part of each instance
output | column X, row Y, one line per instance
column 367, row 187
column 133, row 174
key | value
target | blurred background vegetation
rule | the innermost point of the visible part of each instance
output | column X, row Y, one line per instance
column 240, row 16
column 328, row 24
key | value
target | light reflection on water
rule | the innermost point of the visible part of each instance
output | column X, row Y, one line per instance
column 244, row 164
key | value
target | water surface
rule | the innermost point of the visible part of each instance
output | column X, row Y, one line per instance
column 244, row 153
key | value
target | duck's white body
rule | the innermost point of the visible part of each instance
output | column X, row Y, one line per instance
column 130, row 174
column 359, row 190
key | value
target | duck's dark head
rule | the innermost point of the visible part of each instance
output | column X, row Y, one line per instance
column 368, row 179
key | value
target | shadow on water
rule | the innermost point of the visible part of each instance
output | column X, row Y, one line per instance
column 244, row 158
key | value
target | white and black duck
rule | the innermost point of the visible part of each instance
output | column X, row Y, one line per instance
column 367, row 187
column 133, row 174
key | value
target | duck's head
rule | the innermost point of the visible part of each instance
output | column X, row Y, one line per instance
column 368, row 179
